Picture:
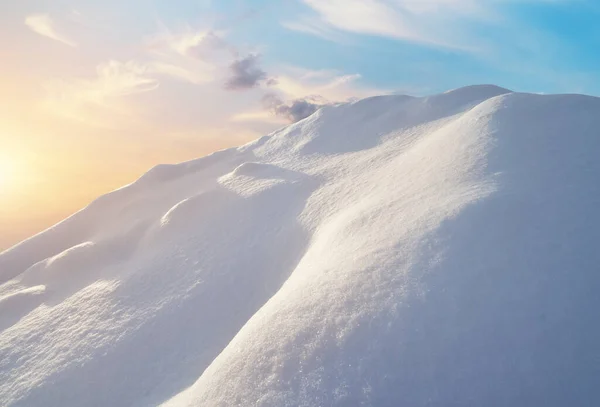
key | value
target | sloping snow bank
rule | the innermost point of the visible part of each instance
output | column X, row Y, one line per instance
column 394, row 251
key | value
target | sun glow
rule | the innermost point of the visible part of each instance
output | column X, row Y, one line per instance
column 7, row 172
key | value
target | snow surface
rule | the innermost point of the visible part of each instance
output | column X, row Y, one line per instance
column 395, row 251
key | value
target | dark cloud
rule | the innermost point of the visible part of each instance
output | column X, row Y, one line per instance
column 245, row 73
column 294, row 111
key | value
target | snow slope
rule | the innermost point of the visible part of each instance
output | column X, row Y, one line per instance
column 395, row 251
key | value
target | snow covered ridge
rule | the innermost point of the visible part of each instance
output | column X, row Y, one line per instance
column 395, row 251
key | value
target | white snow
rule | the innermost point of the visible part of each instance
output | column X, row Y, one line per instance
column 395, row 251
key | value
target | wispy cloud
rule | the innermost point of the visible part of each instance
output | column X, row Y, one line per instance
column 204, row 56
column 43, row 25
column 196, row 56
column 449, row 24
column 434, row 22
column 364, row 16
column 201, row 45
column 182, row 72
column 334, row 86
column 99, row 100
column 314, row 27
column 262, row 116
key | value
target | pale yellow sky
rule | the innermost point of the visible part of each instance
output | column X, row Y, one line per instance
column 42, row 181
column 52, row 165
column 50, row 168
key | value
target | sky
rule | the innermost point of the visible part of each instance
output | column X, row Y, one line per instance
column 94, row 93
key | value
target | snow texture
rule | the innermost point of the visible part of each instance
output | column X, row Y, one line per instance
column 394, row 251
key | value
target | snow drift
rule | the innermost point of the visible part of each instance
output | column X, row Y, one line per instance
column 395, row 251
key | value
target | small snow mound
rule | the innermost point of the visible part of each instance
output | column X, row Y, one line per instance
column 18, row 304
column 264, row 171
column 171, row 213
column 14, row 301
column 73, row 257
column 61, row 267
column 253, row 169
column 478, row 92
column 188, row 210
column 37, row 290
column 467, row 95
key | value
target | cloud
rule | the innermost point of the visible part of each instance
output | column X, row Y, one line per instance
column 199, row 44
column 299, row 83
column 182, row 72
column 199, row 56
column 294, row 111
column 363, row 16
column 261, row 116
column 100, row 100
column 297, row 93
column 195, row 56
column 245, row 73
column 314, row 27
column 43, row 25
column 433, row 22
column 121, row 79
column 206, row 46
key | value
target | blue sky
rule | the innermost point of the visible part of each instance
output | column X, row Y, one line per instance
column 537, row 46
column 429, row 46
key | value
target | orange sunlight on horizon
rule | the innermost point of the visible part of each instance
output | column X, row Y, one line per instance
column 45, row 182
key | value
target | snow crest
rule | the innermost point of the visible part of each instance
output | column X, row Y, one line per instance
column 393, row 251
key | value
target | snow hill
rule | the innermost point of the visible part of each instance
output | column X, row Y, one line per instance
column 394, row 251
